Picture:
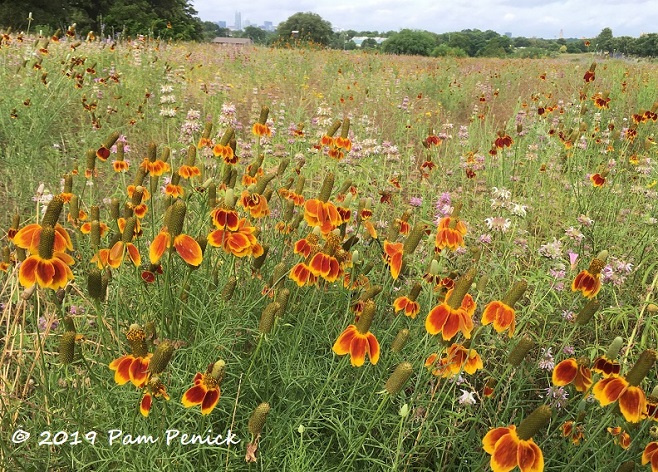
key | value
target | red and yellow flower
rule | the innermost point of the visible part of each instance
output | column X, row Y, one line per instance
column 512, row 447
column 324, row 215
column 457, row 358
column 133, row 367
column 393, row 257
column 574, row 431
column 240, row 242
column 450, row 234
column 455, row 313
column 302, row 275
column 626, row 391
column 573, row 371
column 357, row 340
column 255, row 204
column 588, row 281
column 186, row 247
column 206, row 389
column 650, row 455
column 621, row 437
column 408, row 304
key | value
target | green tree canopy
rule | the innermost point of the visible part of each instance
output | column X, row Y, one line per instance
column 412, row 42
column 307, row 27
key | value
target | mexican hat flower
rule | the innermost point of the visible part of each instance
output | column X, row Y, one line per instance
column 650, row 455
column 408, row 304
column 457, row 358
column 512, row 447
column 133, row 367
column 588, row 281
column 573, row 371
column 625, row 390
column 455, row 313
column 47, row 268
column 501, row 312
column 357, row 340
column 393, row 257
column 206, row 389
column 171, row 236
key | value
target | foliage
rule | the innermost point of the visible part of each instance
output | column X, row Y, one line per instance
column 306, row 27
column 411, row 42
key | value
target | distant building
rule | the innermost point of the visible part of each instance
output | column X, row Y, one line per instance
column 221, row 24
column 232, row 41
column 268, row 26
column 509, row 35
column 238, row 21
column 358, row 40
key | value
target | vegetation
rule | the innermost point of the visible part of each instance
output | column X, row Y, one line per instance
column 382, row 262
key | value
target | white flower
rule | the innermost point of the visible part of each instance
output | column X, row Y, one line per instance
column 518, row 210
column 501, row 193
column 498, row 223
column 166, row 88
column 466, row 398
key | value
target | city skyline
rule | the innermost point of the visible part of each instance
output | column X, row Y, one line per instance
column 530, row 18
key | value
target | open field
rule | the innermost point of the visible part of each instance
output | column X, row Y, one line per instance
column 402, row 256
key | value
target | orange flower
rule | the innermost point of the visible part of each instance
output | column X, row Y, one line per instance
column 240, row 242
column 357, row 340
column 457, row 359
column 53, row 272
column 130, row 368
column 324, row 215
column 508, row 451
column 573, row 371
column 393, row 257
column 186, row 247
column 622, row 438
column 503, row 140
column 450, row 234
column 411, row 308
column 649, row 455
column 175, row 191
column 255, row 204
column 224, row 218
column 120, row 251
column 306, row 246
column 631, row 398
column 343, row 143
column 588, row 281
column 302, row 275
column 501, row 315
column 206, row 389
column 325, row 266
column 154, row 388
column 575, row 431
column 29, row 236
column 261, row 129
column 188, row 172
column 85, row 228
column 606, row 367
column 448, row 320
column 155, row 168
column 597, row 180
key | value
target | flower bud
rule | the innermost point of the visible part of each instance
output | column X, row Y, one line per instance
column 161, row 357
column 398, row 378
column 257, row 419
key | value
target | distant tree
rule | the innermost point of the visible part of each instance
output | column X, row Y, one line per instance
column 412, row 42
column 604, row 41
column 443, row 50
column 521, row 42
column 256, row 34
column 461, row 40
column 308, row 27
column 369, row 43
column 498, row 46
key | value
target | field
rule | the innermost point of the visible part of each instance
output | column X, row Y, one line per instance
column 301, row 259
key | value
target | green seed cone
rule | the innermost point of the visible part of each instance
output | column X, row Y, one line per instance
column 53, row 211
column 515, row 293
column 257, row 419
column 111, row 139
column 91, row 160
column 327, row 186
column 283, row 165
column 372, row 292
column 278, row 275
column 95, row 284
column 587, row 312
column 67, row 347
column 129, row 230
column 264, row 112
column 642, row 367
column 412, row 241
column 345, row 128
column 462, row 286
column 68, row 183
column 282, row 299
column 259, row 188
column 520, row 350
column 415, row 291
column 614, row 348
column 334, row 127
column 46, row 241
column 177, row 217
column 229, row 288
column 398, row 378
column 217, row 370
column 400, row 340
column 534, row 422
column 267, row 318
column 365, row 320
column 482, row 283
column 161, row 357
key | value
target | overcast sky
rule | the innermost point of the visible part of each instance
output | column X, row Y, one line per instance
column 529, row 18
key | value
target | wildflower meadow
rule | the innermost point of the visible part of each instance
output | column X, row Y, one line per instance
column 225, row 258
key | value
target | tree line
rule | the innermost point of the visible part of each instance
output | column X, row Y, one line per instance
column 177, row 19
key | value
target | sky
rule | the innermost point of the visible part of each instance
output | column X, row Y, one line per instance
column 530, row 18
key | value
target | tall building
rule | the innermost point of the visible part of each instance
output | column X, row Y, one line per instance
column 238, row 21
column 221, row 24
column 268, row 26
